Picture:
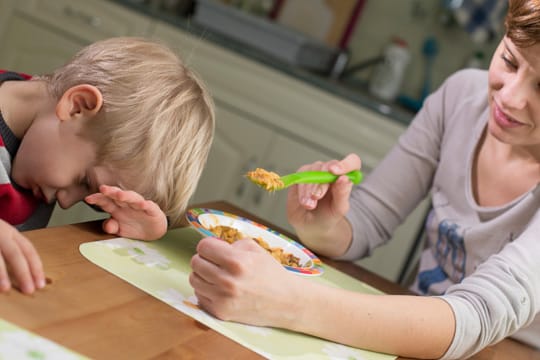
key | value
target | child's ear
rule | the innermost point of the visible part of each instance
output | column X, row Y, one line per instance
column 79, row 101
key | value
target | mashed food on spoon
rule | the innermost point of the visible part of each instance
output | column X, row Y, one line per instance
column 268, row 180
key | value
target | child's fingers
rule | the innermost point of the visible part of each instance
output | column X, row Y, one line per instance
column 149, row 207
column 34, row 262
column 109, row 193
column 5, row 283
column 18, row 266
column 125, row 196
column 109, row 200
column 136, row 202
column 111, row 226
column 108, row 189
column 104, row 202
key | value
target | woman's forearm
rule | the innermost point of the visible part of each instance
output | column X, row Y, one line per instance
column 411, row 326
column 332, row 242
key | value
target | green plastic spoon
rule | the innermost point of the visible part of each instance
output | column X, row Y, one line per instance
column 271, row 181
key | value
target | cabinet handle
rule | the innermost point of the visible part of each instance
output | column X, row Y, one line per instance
column 240, row 189
column 257, row 197
column 94, row 21
column 242, row 185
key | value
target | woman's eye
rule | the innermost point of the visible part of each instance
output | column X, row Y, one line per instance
column 509, row 63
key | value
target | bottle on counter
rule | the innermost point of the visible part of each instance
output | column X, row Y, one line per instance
column 388, row 75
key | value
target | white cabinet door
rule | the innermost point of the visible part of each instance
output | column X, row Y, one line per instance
column 239, row 145
column 34, row 49
column 6, row 8
column 86, row 21
column 41, row 35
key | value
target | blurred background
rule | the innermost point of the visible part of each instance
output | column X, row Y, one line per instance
column 438, row 36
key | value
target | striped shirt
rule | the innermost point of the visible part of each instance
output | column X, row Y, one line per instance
column 17, row 206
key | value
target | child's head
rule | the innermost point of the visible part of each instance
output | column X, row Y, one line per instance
column 156, row 124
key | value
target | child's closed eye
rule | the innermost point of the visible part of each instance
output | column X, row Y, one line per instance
column 87, row 183
column 84, row 182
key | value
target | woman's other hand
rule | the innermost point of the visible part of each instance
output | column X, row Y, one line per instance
column 317, row 211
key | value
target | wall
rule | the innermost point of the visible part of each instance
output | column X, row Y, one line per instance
column 413, row 20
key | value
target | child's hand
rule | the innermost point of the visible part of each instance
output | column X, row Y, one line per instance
column 19, row 259
column 132, row 216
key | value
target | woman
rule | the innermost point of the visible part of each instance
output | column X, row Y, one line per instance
column 475, row 149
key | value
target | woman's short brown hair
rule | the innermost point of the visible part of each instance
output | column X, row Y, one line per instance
column 523, row 22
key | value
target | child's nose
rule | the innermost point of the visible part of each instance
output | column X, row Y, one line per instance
column 70, row 196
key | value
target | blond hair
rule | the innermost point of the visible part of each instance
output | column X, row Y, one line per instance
column 157, row 119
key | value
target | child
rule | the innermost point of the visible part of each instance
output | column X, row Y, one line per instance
column 122, row 122
column 475, row 148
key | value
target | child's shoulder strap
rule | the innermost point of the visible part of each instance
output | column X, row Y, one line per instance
column 12, row 75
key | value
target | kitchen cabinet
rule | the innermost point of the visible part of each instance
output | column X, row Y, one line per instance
column 34, row 54
column 39, row 35
column 6, row 7
column 268, row 119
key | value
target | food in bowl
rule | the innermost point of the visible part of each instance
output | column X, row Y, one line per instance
column 203, row 219
column 231, row 235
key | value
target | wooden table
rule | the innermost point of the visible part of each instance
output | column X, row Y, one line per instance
column 93, row 312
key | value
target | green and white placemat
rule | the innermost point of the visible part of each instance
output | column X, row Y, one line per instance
column 20, row 344
column 161, row 269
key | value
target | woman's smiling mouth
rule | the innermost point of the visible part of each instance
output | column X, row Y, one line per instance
column 503, row 120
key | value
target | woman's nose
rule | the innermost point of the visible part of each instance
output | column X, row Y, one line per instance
column 515, row 95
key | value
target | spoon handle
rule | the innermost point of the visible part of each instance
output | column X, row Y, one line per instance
column 318, row 177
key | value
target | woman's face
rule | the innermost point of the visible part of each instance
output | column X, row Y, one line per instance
column 514, row 95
